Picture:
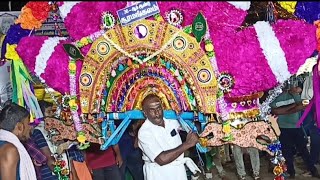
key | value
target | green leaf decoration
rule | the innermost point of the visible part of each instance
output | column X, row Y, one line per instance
column 188, row 29
column 199, row 27
column 73, row 51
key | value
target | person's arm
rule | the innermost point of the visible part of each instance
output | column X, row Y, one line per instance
column 153, row 150
column 118, row 155
column 288, row 109
column 168, row 156
column 41, row 143
column 9, row 162
column 36, row 155
column 46, row 151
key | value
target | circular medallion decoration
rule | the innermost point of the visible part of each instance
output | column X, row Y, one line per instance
column 108, row 20
column 84, row 102
column 179, row 43
column 225, row 82
column 191, row 45
column 204, row 75
column 103, row 48
column 174, row 17
column 100, row 58
column 65, row 101
column 93, row 51
column 141, row 31
column 195, row 68
column 86, row 79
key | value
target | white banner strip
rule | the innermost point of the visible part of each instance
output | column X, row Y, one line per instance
column 272, row 50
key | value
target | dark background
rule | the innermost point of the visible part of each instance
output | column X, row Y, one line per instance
column 15, row 5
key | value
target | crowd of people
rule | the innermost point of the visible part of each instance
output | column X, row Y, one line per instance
column 152, row 149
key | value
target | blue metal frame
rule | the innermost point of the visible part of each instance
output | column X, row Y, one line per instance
column 185, row 119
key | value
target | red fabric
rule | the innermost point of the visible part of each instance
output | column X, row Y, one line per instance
column 99, row 159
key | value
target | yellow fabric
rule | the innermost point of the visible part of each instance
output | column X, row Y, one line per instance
column 290, row 6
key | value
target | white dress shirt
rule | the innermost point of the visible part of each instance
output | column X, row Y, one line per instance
column 155, row 139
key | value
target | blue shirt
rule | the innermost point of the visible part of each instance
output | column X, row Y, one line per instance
column 18, row 173
column 75, row 154
column 126, row 145
column 41, row 142
column 287, row 120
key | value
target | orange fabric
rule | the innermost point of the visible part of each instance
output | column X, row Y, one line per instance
column 82, row 170
column 317, row 24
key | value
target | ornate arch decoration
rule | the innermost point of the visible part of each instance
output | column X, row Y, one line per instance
column 142, row 57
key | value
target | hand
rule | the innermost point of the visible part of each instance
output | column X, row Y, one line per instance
column 36, row 164
column 192, row 139
column 119, row 160
column 274, row 116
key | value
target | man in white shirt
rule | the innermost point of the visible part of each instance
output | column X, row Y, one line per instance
column 160, row 142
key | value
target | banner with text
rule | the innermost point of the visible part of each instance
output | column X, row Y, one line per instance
column 137, row 12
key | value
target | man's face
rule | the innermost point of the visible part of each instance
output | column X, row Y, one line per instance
column 25, row 129
column 153, row 111
column 48, row 112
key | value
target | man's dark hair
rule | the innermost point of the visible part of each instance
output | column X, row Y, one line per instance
column 148, row 97
column 43, row 105
column 11, row 114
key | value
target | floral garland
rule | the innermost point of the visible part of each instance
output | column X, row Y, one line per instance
column 85, row 14
column 307, row 66
column 147, row 58
column 33, row 14
column 245, row 5
column 73, row 91
column 66, row 7
column 48, row 47
column 272, row 50
column 220, row 99
column 55, row 66
column 307, row 10
column 74, row 106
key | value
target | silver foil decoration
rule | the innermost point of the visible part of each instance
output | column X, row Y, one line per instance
column 265, row 108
